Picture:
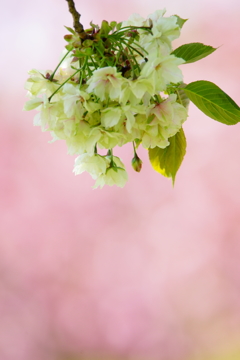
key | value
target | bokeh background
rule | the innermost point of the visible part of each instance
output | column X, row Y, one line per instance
column 148, row 272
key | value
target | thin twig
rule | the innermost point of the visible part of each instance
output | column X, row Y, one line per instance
column 76, row 17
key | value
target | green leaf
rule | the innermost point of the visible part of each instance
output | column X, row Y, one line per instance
column 94, row 26
column 88, row 51
column 113, row 24
column 105, row 28
column 213, row 102
column 181, row 95
column 69, row 47
column 167, row 161
column 87, row 43
column 193, row 52
column 180, row 21
column 70, row 30
column 118, row 26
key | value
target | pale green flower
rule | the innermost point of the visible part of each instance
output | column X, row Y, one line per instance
column 115, row 175
column 134, row 90
column 153, row 137
column 163, row 32
column 163, row 71
column 33, row 103
column 168, row 119
column 135, row 20
column 39, row 84
column 129, row 112
column 49, row 113
column 165, row 28
column 106, row 83
column 95, row 165
column 65, row 70
column 170, row 113
column 110, row 116
column 72, row 98
column 104, row 107
column 65, row 128
column 110, row 139
column 157, row 15
column 84, row 140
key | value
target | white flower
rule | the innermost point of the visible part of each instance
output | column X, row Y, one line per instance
column 95, row 165
column 106, row 83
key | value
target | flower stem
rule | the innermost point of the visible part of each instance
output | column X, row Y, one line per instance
column 124, row 29
column 82, row 70
column 49, row 99
column 134, row 148
column 52, row 76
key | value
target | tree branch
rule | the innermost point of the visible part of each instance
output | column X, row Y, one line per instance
column 76, row 17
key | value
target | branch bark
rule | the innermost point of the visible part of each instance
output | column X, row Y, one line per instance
column 78, row 27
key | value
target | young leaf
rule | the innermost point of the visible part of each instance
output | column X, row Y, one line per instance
column 180, row 21
column 213, row 102
column 113, row 24
column 118, row 26
column 193, row 52
column 68, row 37
column 105, row 28
column 94, row 26
column 69, row 47
column 70, row 30
column 87, row 43
column 181, row 96
column 167, row 161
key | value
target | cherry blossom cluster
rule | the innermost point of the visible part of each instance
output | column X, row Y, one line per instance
column 116, row 86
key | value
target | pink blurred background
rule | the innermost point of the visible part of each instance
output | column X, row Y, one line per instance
column 147, row 272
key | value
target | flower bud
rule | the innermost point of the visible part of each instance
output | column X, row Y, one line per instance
column 68, row 37
column 87, row 43
column 76, row 44
column 137, row 163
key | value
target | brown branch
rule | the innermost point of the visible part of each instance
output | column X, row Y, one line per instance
column 76, row 17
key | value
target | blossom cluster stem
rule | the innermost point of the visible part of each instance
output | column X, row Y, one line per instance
column 76, row 17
